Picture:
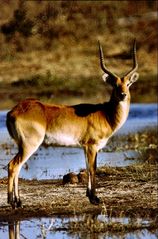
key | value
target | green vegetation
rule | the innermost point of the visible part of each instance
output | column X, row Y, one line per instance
column 49, row 49
column 55, row 89
column 131, row 207
column 131, row 186
column 112, row 226
column 145, row 91
column 60, row 20
column 128, row 195
column 146, row 142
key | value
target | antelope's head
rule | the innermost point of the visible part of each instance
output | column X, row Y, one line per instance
column 120, row 84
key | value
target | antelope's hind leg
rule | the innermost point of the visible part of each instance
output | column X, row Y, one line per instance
column 13, row 173
column 14, row 167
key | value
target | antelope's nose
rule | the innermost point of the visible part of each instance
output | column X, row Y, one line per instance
column 123, row 96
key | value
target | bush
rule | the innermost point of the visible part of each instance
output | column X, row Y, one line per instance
column 20, row 24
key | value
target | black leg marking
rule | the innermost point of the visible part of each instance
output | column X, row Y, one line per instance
column 92, row 197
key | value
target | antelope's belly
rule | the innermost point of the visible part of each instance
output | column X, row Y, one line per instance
column 61, row 138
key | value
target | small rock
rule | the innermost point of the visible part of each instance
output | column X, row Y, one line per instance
column 70, row 178
column 82, row 177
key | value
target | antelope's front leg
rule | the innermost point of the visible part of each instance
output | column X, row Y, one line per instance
column 91, row 158
column 10, row 186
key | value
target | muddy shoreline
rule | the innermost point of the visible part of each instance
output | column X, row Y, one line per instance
column 121, row 193
column 126, row 192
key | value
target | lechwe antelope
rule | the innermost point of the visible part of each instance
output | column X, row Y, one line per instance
column 32, row 122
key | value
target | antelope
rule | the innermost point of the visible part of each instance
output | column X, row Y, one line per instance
column 31, row 122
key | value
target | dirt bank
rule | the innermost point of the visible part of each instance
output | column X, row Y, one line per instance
column 130, row 191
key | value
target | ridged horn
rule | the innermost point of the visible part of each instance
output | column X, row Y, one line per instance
column 135, row 63
column 102, row 64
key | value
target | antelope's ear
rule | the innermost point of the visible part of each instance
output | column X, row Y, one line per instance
column 133, row 78
column 105, row 77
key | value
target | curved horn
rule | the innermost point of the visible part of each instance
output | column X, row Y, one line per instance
column 104, row 68
column 135, row 63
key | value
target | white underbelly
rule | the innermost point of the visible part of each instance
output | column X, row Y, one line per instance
column 102, row 143
column 60, row 138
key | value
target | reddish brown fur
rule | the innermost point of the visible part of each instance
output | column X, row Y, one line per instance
column 31, row 122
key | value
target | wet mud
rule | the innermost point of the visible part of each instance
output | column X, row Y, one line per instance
column 127, row 190
column 122, row 191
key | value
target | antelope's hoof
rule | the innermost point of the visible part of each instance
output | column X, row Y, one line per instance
column 19, row 204
column 94, row 200
column 16, row 203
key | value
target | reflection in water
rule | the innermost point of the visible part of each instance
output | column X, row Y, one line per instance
column 44, row 228
column 14, row 230
column 78, row 227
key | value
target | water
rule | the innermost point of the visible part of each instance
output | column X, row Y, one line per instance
column 59, row 227
column 141, row 116
column 54, row 162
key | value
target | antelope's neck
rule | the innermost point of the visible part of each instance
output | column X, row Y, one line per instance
column 118, row 113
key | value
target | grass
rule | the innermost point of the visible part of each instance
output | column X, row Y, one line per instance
column 119, row 220
column 105, row 222
column 145, row 91
column 138, row 172
column 90, row 224
column 55, row 89
column 44, row 82
column 50, row 50
column 128, row 194
column 146, row 167
column 144, row 141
